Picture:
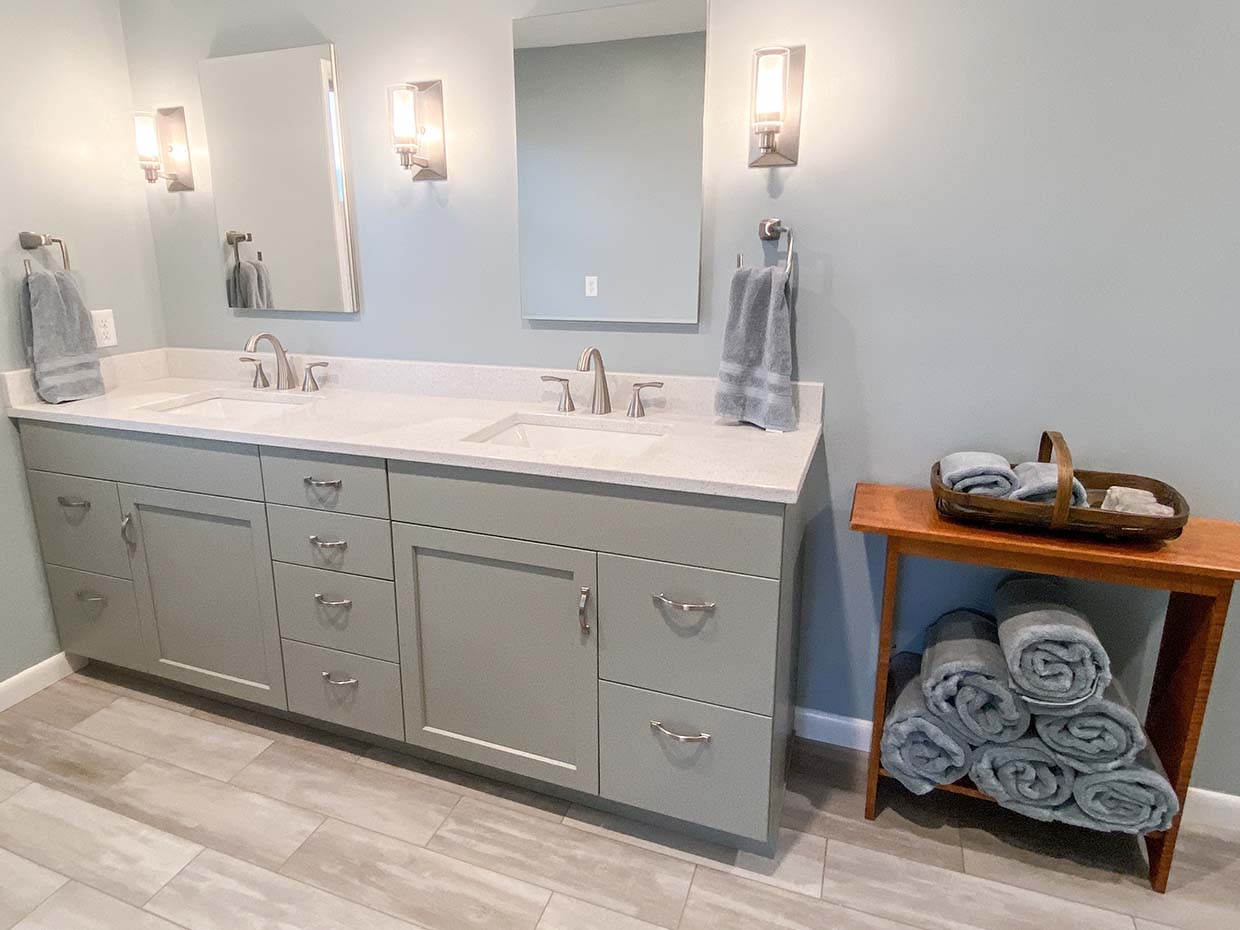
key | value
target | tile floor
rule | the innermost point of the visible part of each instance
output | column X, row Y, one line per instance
column 127, row 805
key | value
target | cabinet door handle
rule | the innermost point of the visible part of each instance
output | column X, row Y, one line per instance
column 583, row 616
column 339, row 682
column 680, row 737
column 679, row 605
column 73, row 502
column 313, row 482
column 344, row 602
column 90, row 597
column 127, row 528
column 329, row 543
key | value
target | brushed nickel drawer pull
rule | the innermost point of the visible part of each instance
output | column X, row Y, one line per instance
column 340, row 683
column 127, row 528
column 313, row 482
column 73, row 502
column 322, row 599
column 678, row 605
column 90, row 597
column 680, row 737
column 329, row 543
column 583, row 617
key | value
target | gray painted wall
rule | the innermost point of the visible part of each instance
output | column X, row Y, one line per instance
column 609, row 169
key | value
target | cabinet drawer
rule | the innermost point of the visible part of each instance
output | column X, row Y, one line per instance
column 722, row 782
column 724, row 654
column 338, row 611
column 79, row 522
column 342, row 483
column 366, row 696
column 307, row 537
column 97, row 616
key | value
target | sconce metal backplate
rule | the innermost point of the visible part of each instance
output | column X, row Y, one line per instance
column 431, row 147
column 174, row 148
column 788, row 141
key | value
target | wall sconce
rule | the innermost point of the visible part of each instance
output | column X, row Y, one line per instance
column 415, row 126
column 163, row 147
column 775, row 111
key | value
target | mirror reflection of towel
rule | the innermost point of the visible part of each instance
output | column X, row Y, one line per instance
column 249, row 286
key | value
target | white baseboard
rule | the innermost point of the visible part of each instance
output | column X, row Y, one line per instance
column 34, row 679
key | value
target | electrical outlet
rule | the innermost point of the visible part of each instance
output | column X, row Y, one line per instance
column 105, row 328
column 591, row 285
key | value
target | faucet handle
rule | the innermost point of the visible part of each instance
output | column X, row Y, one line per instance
column 308, row 382
column 566, row 404
column 260, row 376
column 636, row 407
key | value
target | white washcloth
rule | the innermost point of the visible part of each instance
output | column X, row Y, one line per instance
column 1135, row 500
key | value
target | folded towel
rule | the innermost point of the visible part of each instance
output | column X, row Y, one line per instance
column 964, row 677
column 755, row 371
column 919, row 749
column 1039, row 482
column 982, row 473
column 58, row 338
column 1097, row 736
column 1134, row 798
column 1052, row 652
column 1135, row 500
column 244, row 287
column 1024, row 776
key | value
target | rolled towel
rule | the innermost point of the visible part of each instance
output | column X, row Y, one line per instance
column 1135, row 500
column 1038, row 482
column 964, row 677
column 1134, row 798
column 1052, row 652
column 919, row 749
column 1024, row 776
column 1097, row 736
column 981, row 473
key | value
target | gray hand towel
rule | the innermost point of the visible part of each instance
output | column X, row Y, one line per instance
column 964, row 677
column 982, row 473
column 1039, row 483
column 243, row 292
column 1024, row 776
column 919, row 749
column 265, row 299
column 755, row 371
column 58, row 337
column 1097, row 736
column 1134, row 798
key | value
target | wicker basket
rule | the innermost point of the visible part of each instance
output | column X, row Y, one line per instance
column 1060, row 516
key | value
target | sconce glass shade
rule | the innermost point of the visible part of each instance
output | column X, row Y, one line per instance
column 415, row 128
column 770, row 94
column 404, row 127
column 146, row 139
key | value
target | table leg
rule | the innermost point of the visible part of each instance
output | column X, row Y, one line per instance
column 886, row 631
column 1190, row 644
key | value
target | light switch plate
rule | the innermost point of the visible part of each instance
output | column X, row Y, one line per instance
column 105, row 328
column 591, row 285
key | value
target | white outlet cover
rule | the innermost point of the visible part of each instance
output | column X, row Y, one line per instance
column 105, row 328
column 591, row 285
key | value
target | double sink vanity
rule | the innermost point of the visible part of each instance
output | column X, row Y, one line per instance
column 599, row 604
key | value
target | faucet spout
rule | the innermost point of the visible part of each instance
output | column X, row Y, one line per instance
column 601, row 401
column 285, row 378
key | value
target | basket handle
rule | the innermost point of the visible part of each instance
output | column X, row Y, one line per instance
column 1052, row 440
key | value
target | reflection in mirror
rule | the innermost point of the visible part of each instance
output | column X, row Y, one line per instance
column 279, row 179
column 609, row 161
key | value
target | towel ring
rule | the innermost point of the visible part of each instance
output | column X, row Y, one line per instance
column 770, row 230
column 31, row 241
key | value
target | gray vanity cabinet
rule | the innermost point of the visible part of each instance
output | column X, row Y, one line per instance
column 498, row 652
column 206, row 599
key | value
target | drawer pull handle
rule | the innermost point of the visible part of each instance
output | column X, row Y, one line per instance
column 345, row 602
column 680, row 737
column 335, row 483
column 329, row 543
column 73, row 502
column 583, row 618
column 678, row 605
column 127, row 528
column 90, row 597
column 339, row 682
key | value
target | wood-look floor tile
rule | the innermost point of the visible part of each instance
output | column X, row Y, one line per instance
column 279, row 729
column 217, row 892
column 415, row 884
column 565, row 913
column 796, row 865
column 123, row 683
column 115, row 854
column 204, row 810
column 337, row 787
column 930, row 897
column 1150, row 925
column 66, row 703
column 77, row 907
column 11, row 784
column 24, row 885
column 725, row 902
column 198, row 745
column 467, row 783
column 63, row 759
column 620, row 876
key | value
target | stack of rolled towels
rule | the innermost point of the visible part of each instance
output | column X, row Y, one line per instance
column 1025, row 705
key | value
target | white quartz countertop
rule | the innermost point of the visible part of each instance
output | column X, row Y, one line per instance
column 678, row 451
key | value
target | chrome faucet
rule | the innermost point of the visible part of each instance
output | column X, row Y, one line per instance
column 285, row 379
column 601, row 401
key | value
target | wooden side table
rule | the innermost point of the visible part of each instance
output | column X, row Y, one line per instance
column 1199, row 569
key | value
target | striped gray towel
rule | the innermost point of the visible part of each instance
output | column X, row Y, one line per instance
column 755, row 372
column 58, row 337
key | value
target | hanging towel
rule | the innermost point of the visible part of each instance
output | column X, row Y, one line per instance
column 1024, row 776
column 265, row 299
column 919, row 749
column 964, row 677
column 1134, row 798
column 982, row 473
column 1097, row 736
column 243, row 289
column 58, row 337
column 1039, row 483
column 755, row 372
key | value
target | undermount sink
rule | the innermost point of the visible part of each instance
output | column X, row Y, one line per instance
column 562, row 433
column 232, row 408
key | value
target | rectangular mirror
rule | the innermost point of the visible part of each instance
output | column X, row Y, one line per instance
column 279, row 179
column 609, row 161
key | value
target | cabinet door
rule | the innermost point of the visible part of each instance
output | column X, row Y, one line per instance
column 498, row 656
column 206, row 599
